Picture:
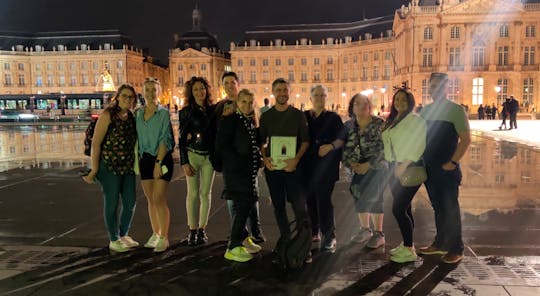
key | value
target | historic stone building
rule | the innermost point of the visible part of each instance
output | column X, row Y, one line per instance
column 488, row 47
column 196, row 53
column 67, row 63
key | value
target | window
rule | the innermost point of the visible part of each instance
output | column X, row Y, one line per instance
column 428, row 33
column 330, row 75
column 291, row 75
column 375, row 73
column 345, row 60
column 291, row 61
column 478, row 56
column 62, row 80
column 265, row 76
column 39, row 80
column 50, row 81
column 475, row 153
column 22, row 81
column 304, row 76
column 503, row 92
column 453, row 89
column 528, row 57
column 355, row 59
column 303, row 61
column 265, row 62
column 73, row 80
column 252, row 62
column 376, row 56
column 180, row 66
column 84, row 65
column 425, row 92
column 317, row 76
column 38, row 67
column 180, row 80
column 84, row 79
column 528, row 90
column 60, row 66
column 240, row 63
column 253, row 77
column 455, row 32
column 386, row 72
column 7, row 79
column 95, row 65
column 503, row 31
column 119, row 64
column 478, row 91
column 20, row 66
column 388, row 55
column 330, row 61
column 455, row 56
column 278, row 62
column 502, row 52
column 72, row 66
column 345, row 75
column 427, row 57
column 364, row 73
column 355, row 74
column 316, row 61
column 499, row 179
column 203, row 67
column 365, row 57
column 7, row 66
column 530, row 31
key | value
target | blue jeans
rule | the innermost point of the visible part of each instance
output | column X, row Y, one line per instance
column 443, row 189
column 116, row 188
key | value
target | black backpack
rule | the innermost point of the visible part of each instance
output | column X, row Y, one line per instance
column 88, row 135
column 296, row 250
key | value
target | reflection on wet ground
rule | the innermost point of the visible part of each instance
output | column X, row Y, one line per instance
column 44, row 207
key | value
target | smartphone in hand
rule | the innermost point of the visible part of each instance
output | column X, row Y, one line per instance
column 164, row 169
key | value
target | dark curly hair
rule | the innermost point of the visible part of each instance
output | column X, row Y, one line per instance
column 189, row 94
column 113, row 107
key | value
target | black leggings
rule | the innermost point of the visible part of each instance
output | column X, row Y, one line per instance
column 401, row 208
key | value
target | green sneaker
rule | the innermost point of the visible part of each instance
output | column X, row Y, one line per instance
column 118, row 246
column 152, row 241
column 404, row 255
column 250, row 246
column 397, row 249
column 238, row 254
column 161, row 245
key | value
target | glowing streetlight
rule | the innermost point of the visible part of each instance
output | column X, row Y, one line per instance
column 367, row 92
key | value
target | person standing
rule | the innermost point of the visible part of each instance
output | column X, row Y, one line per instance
column 319, row 174
column 448, row 137
column 513, row 109
column 494, row 111
column 504, row 113
column 404, row 138
column 266, row 106
column 481, row 112
column 196, row 141
column 283, row 120
column 156, row 144
column 237, row 143
column 112, row 160
column 224, row 108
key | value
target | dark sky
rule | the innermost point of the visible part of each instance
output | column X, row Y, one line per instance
column 152, row 24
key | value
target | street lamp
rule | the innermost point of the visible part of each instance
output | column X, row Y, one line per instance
column 385, row 103
column 343, row 95
column 498, row 90
column 296, row 100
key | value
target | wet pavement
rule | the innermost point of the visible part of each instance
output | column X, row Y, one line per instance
column 54, row 242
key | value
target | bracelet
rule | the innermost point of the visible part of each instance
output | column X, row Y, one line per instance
column 333, row 146
column 454, row 162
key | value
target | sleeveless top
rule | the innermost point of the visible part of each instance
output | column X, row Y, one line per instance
column 117, row 149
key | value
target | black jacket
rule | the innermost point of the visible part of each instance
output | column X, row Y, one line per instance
column 198, row 125
column 235, row 148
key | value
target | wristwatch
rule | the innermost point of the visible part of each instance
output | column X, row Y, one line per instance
column 158, row 161
column 454, row 162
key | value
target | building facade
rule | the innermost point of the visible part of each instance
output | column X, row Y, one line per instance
column 488, row 48
column 196, row 53
column 65, row 63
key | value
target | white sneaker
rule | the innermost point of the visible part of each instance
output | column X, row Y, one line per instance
column 152, row 241
column 250, row 246
column 162, row 244
column 118, row 246
column 128, row 241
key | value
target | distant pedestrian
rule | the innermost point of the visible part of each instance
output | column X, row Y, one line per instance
column 448, row 137
column 114, row 136
column 494, row 111
column 487, row 111
column 513, row 109
column 480, row 112
column 504, row 113
column 266, row 106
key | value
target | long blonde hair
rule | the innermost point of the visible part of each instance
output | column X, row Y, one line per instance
column 256, row 113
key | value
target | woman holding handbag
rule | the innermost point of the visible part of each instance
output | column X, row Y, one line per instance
column 404, row 139
column 112, row 159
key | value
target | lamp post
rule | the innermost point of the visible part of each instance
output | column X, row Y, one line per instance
column 343, row 95
column 498, row 90
column 296, row 100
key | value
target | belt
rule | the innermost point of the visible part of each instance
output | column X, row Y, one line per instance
column 198, row 151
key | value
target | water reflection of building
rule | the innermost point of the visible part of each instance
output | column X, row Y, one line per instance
column 41, row 146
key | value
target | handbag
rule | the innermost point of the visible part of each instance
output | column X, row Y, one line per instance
column 414, row 175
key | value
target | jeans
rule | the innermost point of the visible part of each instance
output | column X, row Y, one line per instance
column 253, row 218
column 320, row 207
column 116, row 188
column 401, row 208
column 199, row 187
column 285, row 186
column 443, row 189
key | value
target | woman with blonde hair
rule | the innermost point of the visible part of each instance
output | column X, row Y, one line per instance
column 156, row 144
column 112, row 159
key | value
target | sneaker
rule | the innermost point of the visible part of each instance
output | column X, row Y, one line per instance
column 118, row 246
column 259, row 238
column 431, row 250
column 201, row 237
column 376, row 240
column 450, row 258
column 238, row 254
column 250, row 246
column 396, row 249
column 316, row 238
column 329, row 245
column 161, row 245
column 128, row 241
column 363, row 235
column 152, row 241
column 404, row 255
column 192, row 238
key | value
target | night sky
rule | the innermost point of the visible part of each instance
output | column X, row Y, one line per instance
column 151, row 24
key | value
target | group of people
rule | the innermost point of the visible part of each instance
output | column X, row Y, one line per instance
column 300, row 153
column 510, row 109
column 487, row 112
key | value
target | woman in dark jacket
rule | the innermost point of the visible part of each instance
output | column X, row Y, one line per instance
column 196, row 142
column 238, row 146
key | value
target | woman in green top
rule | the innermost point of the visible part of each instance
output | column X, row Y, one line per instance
column 112, row 159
